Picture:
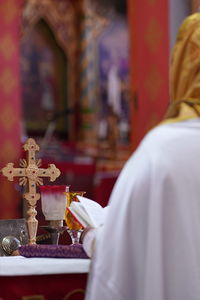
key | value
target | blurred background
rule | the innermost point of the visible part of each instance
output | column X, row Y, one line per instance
column 86, row 80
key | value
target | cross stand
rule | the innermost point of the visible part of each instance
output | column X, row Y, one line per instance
column 30, row 175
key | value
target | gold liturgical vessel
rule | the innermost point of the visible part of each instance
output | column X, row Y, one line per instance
column 30, row 175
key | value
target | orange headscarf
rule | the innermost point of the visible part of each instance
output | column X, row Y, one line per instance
column 185, row 71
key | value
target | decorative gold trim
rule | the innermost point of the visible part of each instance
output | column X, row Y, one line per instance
column 76, row 291
column 33, row 297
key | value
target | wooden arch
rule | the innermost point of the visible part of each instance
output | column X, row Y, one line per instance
column 63, row 19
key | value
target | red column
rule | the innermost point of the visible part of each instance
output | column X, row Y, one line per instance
column 195, row 5
column 150, row 63
column 10, row 102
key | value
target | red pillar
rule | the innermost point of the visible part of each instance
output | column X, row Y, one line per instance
column 149, row 36
column 195, row 5
column 10, row 102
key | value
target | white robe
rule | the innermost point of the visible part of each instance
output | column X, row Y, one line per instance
column 149, row 248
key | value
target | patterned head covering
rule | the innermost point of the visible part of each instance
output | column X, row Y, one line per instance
column 185, row 71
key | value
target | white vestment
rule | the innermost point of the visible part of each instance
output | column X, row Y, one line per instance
column 149, row 247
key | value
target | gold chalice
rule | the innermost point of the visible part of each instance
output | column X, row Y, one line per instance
column 74, row 228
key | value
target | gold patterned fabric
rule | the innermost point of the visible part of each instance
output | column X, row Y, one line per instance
column 185, row 71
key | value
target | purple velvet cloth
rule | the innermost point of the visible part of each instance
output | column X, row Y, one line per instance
column 55, row 251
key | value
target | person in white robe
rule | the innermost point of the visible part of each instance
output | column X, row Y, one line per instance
column 149, row 246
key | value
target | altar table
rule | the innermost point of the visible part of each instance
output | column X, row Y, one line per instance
column 42, row 278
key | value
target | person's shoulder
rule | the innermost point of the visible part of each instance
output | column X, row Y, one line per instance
column 161, row 134
column 161, row 140
column 171, row 137
column 168, row 132
column 151, row 144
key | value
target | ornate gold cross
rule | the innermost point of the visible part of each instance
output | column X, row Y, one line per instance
column 30, row 175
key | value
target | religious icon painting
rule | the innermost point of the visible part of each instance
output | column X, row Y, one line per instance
column 113, row 73
column 43, row 73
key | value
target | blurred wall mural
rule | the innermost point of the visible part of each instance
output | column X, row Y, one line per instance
column 77, row 57
column 104, row 82
column 113, row 74
column 64, row 63
column 43, row 74
column 49, row 65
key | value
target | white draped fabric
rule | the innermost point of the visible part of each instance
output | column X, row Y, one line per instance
column 22, row 266
column 149, row 248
